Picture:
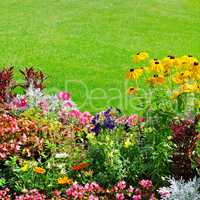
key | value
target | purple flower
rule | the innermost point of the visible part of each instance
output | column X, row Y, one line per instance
column 97, row 129
column 109, row 123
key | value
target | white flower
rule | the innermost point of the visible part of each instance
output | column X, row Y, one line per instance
column 61, row 155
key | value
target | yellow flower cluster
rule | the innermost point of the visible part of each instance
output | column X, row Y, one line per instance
column 64, row 180
column 179, row 73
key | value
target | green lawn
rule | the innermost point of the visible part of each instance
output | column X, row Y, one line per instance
column 90, row 42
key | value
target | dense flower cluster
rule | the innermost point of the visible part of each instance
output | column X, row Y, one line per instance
column 51, row 150
column 177, row 76
column 31, row 195
column 19, row 136
column 5, row 194
column 112, row 119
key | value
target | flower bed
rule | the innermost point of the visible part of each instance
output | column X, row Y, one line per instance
column 51, row 150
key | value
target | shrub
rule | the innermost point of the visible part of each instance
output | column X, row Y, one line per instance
column 180, row 190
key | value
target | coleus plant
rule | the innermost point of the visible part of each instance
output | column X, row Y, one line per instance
column 33, row 78
column 185, row 137
column 6, row 84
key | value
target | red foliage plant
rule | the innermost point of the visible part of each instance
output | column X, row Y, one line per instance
column 185, row 137
column 34, row 78
column 6, row 84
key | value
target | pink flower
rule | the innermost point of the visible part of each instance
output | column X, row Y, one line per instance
column 85, row 118
column 69, row 104
column 75, row 113
column 92, row 197
column 23, row 102
column 120, row 196
column 69, row 192
column 64, row 96
column 44, row 106
column 137, row 197
column 19, row 103
column 133, row 120
column 142, row 119
column 131, row 189
column 121, row 185
column 56, row 193
column 146, row 184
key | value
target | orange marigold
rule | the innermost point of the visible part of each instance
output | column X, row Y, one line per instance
column 64, row 180
column 39, row 170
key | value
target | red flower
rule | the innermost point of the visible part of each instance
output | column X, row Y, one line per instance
column 80, row 166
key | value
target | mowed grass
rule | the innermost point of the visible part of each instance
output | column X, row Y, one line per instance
column 85, row 46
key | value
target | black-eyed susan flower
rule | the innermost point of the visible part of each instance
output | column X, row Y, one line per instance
column 140, row 57
column 156, row 66
column 194, row 66
column 188, row 60
column 179, row 78
column 166, row 72
column 140, row 71
column 168, row 62
column 195, row 70
column 156, row 80
column 134, row 74
column 132, row 91
column 177, row 63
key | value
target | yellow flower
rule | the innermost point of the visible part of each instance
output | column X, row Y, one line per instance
column 168, row 62
column 64, row 180
column 195, row 70
column 39, row 170
column 166, row 72
column 156, row 66
column 132, row 91
column 175, row 95
column 140, row 71
column 25, row 167
column 177, row 62
column 188, row 60
column 180, row 78
column 127, row 143
column 134, row 74
column 156, row 80
column 140, row 57
column 187, row 88
column 197, row 104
